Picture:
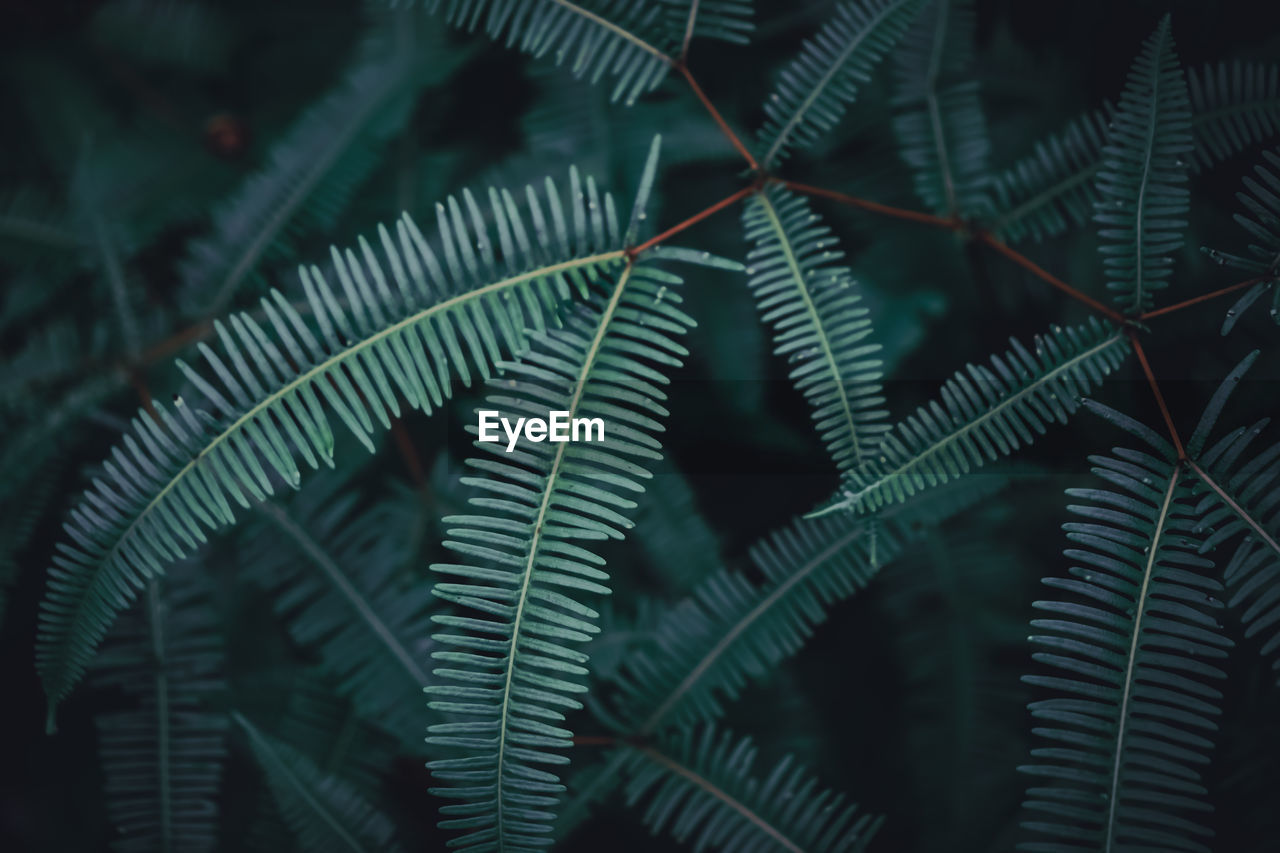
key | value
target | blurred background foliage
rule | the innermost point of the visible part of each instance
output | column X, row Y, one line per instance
column 162, row 162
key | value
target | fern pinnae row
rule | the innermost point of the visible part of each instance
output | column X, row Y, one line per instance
column 1113, row 797
column 303, row 540
column 621, row 32
column 931, row 99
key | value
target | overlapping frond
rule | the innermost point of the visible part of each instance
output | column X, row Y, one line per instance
column 985, row 413
column 323, row 811
column 517, row 667
column 812, row 302
column 1234, row 105
column 1052, row 188
column 411, row 321
column 1261, row 259
column 722, row 20
column 312, row 172
column 700, row 787
column 1142, row 201
column 678, row 544
column 336, row 571
column 939, row 123
column 163, row 758
column 1129, row 653
column 816, row 87
column 627, row 40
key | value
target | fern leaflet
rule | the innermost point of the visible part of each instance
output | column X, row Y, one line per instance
column 1262, row 223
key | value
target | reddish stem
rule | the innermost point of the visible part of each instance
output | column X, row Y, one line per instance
column 715, row 114
column 692, row 220
column 1169, row 309
column 874, row 206
column 1155, row 389
column 1044, row 275
column 593, row 740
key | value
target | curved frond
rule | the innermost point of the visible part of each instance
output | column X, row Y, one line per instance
column 1142, row 201
column 411, row 321
column 985, row 413
column 336, row 575
column 1234, row 105
column 163, row 758
column 723, row 20
column 813, row 305
column 624, row 39
column 1129, row 652
column 939, row 123
column 323, row 811
column 1261, row 259
column 816, row 87
column 699, row 786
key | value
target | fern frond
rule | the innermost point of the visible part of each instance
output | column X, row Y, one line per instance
column 517, row 668
column 723, row 20
column 323, row 811
column 311, row 172
column 940, row 126
column 1234, row 105
column 411, row 321
column 699, row 786
column 678, row 544
column 1131, row 645
column 163, row 759
column 985, row 413
column 1051, row 189
column 1142, row 203
column 816, row 87
column 813, row 305
column 624, row 39
column 335, row 572
column 1261, row 200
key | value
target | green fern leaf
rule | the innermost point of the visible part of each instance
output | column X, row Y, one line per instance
column 1141, row 198
column 941, row 130
column 411, row 322
column 1262, row 223
column 812, row 303
column 1131, row 646
column 336, row 578
column 814, row 90
column 985, row 413
column 621, row 38
column 163, row 758
column 700, row 787
column 323, row 811
column 722, row 20
column 1235, row 105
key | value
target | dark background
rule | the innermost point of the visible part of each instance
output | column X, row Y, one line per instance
column 871, row 703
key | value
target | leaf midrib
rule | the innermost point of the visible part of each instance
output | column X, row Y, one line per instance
column 1149, row 154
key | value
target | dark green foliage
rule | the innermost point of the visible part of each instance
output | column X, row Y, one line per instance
column 1261, row 222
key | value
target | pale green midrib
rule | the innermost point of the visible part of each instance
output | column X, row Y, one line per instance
column 985, row 416
column 163, row 772
column 797, row 275
column 303, row 378
column 535, row 544
column 825, row 81
column 688, row 29
column 17, row 228
column 320, row 166
column 1122, row 722
column 741, row 626
column 613, row 28
column 307, row 544
column 265, row 748
column 1140, row 211
column 935, row 110
column 722, row 795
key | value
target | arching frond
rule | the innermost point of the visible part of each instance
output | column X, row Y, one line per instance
column 939, row 123
column 985, row 413
column 817, row 86
column 336, row 575
column 412, row 321
column 323, row 811
column 1261, row 259
column 312, row 171
column 812, row 303
column 678, row 544
column 1234, row 105
column 517, row 667
column 628, row 40
column 699, row 786
column 723, row 20
column 1142, row 201
column 1129, row 652
column 1051, row 189
column 163, row 758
